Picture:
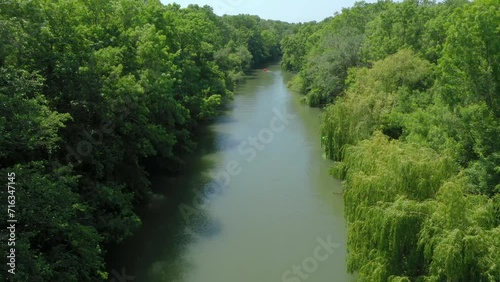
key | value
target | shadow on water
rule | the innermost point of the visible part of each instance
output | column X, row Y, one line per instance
column 155, row 250
column 226, row 120
column 226, row 142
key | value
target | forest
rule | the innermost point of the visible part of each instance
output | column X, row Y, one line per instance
column 95, row 93
column 411, row 92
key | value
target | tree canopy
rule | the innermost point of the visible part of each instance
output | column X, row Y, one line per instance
column 411, row 120
column 94, row 92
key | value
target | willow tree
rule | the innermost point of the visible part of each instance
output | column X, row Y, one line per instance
column 461, row 237
column 372, row 99
column 388, row 183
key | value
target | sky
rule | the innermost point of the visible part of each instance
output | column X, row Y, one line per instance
column 284, row 10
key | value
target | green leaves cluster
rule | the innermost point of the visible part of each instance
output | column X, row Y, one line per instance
column 413, row 125
column 323, row 52
column 93, row 92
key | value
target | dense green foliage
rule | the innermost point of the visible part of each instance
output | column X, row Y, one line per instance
column 414, row 130
column 91, row 92
column 323, row 52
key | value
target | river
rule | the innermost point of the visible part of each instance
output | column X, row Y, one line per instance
column 255, row 204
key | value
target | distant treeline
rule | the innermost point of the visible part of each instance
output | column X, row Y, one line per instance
column 93, row 91
column 412, row 97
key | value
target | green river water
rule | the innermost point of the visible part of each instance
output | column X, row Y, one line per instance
column 256, row 203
